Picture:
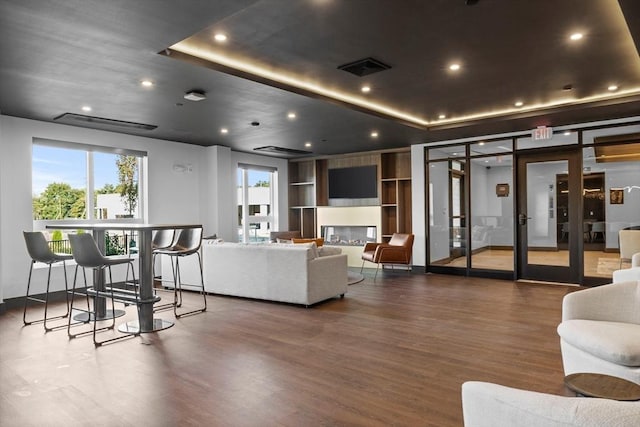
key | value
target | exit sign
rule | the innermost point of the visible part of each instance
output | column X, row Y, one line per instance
column 541, row 133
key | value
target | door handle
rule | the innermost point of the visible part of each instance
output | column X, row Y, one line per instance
column 522, row 219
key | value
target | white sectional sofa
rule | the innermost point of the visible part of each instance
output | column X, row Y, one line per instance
column 276, row 272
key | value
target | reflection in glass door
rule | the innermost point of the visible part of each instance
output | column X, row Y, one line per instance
column 549, row 218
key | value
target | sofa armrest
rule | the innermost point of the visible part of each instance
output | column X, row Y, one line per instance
column 635, row 260
column 493, row 405
column 626, row 275
column 616, row 302
column 327, row 277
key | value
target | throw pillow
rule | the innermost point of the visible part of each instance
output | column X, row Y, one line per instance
column 319, row 241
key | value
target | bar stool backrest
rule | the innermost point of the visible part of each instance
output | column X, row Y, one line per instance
column 188, row 241
column 163, row 239
column 85, row 251
column 38, row 248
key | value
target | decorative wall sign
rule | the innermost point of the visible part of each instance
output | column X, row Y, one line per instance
column 616, row 196
column 502, row 190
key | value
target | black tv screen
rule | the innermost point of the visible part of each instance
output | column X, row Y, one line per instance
column 359, row 182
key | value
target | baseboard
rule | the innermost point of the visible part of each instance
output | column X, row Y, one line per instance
column 3, row 309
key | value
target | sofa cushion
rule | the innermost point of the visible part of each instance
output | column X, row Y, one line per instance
column 615, row 342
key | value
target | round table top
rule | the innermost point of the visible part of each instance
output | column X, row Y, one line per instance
column 603, row 386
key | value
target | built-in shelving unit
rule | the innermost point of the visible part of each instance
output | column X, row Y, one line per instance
column 302, row 197
column 308, row 189
column 396, row 193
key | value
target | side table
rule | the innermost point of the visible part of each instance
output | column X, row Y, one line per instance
column 603, row 386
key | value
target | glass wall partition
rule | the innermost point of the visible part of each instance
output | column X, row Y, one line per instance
column 491, row 198
column 611, row 196
column 447, row 206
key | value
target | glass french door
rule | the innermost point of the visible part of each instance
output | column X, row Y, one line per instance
column 549, row 216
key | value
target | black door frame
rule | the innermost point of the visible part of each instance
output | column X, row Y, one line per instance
column 575, row 272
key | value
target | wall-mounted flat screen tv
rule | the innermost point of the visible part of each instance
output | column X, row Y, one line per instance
column 358, row 182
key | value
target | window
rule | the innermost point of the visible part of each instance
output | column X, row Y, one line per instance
column 83, row 182
column 256, row 203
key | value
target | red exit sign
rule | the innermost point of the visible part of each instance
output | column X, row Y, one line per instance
column 542, row 133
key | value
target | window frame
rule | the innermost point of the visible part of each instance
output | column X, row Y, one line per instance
column 89, row 150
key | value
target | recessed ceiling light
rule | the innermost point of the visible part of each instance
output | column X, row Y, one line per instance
column 519, row 103
column 307, row 144
column 365, row 89
column 86, row 108
column 567, row 132
column 442, row 116
column 374, row 134
column 146, row 83
column 486, row 161
column 454, row 67
column 220, row 37
column 612, row 88
column 224, row 131
column 291, row 116
column 576, row 36
column 481, row 143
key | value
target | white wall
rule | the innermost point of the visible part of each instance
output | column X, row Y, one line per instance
column 203, row 195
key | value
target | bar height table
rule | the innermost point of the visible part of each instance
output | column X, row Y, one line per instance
column 147, row 322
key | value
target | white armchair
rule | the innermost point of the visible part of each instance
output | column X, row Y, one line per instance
column 600, row 331
column 629, row 274
column 492, row 405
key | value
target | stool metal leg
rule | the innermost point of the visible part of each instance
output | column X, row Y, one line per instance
column 29, row 297
column 178, row 289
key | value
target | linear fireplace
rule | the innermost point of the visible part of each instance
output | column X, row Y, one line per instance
column 348, row 235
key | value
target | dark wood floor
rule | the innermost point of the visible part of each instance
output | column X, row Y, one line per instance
column 392, row 352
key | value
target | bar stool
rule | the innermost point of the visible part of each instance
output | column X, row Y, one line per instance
column 162, row 239
column 187, row 242
column 39, row 251
column 87, row 255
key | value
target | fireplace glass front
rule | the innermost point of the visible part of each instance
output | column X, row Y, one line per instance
column 348, row 235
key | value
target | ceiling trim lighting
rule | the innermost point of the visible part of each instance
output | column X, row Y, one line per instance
column 205, row 57
column 254, row 70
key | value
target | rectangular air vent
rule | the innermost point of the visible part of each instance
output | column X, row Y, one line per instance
column 81, row 120
column 281, row 150
column 364, row 67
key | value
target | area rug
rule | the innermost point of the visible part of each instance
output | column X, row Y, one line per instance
column 353, row 278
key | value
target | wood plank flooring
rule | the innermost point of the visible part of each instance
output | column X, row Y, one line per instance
column 394, row 351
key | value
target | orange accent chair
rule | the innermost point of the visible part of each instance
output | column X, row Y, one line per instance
column 397, row 251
